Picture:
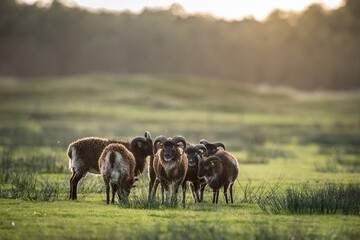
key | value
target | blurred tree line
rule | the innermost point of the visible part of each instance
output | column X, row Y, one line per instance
column 314, row 49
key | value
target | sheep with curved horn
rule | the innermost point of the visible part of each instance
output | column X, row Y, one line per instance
column 170, row 166
column 84, row 155
column 220, row 170
column 197, row 186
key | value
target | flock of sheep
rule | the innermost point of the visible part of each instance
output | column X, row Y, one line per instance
column 173, row 161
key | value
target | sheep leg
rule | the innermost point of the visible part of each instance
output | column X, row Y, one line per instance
column 217, row 197
column 214, row 196
column 175, row 190
column 226, row 186
column 76, row 180
column 107, row 187
column 196, row 191
column 231, row 193
column 192, row 191
column 152, row 177
column 113, row 191
column 151, row 186
column 202, row 191
column 162, row 195
column 183, row 186
column 165, row 187
column 71, row 184
column 154, row 189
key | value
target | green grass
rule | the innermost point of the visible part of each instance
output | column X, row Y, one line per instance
column 273, row 133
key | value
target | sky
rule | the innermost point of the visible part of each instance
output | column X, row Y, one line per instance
column 227, row 9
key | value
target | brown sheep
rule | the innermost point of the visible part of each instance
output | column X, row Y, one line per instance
column 117, row 167
column 220, row 170
column 84, row 155
column 170, row 165
column 197, row 186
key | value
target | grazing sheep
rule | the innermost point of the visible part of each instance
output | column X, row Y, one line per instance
column 117, row 167
column 194, row 155
column 84, row 155
column 220, row 170
column 212, row 148
column 170, row 165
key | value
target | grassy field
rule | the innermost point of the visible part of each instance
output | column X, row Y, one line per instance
column 286, row 142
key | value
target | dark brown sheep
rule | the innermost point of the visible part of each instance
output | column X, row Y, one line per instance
column 117, row 167
column 170, row 165
column 220, row 170
column 197, row 186
column 84, row 155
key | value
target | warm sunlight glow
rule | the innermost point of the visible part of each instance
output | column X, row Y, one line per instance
column 228, row 9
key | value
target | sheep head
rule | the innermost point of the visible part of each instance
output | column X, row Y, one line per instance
column 145, row 143
column 208, row 166
column 194, row 154
column 212, row 148
column 169, row 146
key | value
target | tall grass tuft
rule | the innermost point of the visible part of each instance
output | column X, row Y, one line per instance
column 28, row 187
column 328, row 198
column 254, row 194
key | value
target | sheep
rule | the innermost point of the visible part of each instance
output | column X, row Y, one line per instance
column 170, row 165
column 212, row 148
column 197, row 186
column 220, row 170
column 84, row 155
column 117, row 167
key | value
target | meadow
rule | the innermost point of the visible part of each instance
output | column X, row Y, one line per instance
column 299, row 156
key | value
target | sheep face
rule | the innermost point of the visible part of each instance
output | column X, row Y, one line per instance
column 169, row 151
column 211, row 149
column 208, row 167
column 169, row 147
column 194, row 154
column 144, row 144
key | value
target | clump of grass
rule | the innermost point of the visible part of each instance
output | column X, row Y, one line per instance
column 328, row 198
column 139, row 200
column 28, row 187
column 254, row 194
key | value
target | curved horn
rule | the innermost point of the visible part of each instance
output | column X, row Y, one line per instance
column 212, row 158
column 158, row 139
column 203, row 141
column 147, row 135
column 200, row 146
column 178, row 139
column 219, row 144
column 137, row 139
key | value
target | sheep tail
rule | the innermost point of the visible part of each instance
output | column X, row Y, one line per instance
column 112, row 159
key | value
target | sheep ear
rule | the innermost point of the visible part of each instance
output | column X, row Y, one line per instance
column 180, row 146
